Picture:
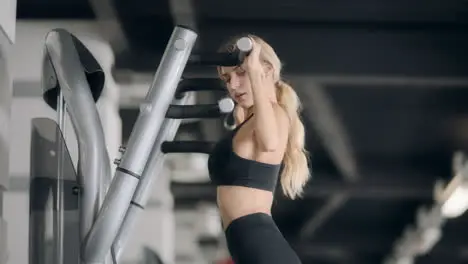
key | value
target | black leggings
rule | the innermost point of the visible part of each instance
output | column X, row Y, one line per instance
column 255, row 239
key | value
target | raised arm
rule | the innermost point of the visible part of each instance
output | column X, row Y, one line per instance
column 271, row 123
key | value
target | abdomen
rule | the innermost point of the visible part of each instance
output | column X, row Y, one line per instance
column 237, row 201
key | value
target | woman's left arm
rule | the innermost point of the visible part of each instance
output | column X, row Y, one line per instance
column 271, row 123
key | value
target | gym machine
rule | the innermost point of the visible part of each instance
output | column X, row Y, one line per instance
column 93, row 213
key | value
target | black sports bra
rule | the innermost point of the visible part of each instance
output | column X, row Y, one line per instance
column 228, row 168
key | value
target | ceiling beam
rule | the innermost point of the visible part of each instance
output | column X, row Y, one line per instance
column 336, row 141
column 317, row 220
column 390, row 81
column 326, row 120
column 363, row 11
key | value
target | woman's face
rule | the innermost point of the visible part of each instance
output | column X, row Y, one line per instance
column 238, row 84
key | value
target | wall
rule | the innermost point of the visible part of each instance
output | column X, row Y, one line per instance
column 5, row 103
column 8, row 19
column 7, row 37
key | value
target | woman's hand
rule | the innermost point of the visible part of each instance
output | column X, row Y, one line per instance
column 252, row 63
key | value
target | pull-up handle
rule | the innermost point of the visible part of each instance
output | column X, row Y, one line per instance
column 224, row 106
column 199, row 84
column 187, row 147
column 244, row 46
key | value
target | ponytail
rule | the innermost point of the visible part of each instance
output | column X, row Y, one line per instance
column 295, row 173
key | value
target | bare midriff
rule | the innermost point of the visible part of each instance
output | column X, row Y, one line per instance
column 238, row 201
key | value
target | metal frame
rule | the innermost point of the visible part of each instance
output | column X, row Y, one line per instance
column 65, row 78
column 140, row 145
column 66, row 88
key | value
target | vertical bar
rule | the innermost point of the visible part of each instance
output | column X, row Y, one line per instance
column 61, row 49
column 61, row 108
column 145, row 131
column 58, row 242
column 153, row 169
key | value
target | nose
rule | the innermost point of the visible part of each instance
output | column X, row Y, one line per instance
column 234, row 82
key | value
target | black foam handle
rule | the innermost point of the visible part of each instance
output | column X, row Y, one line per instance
column 187, row 147
column 194, row 111
column 244, row 47
column 214, row 59
column 200, row 84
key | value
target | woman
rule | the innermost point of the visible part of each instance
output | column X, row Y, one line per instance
column 267, row 143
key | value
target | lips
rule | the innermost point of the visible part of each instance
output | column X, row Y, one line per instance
column 239, row 96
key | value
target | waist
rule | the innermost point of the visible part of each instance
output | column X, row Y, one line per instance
column 237, row 201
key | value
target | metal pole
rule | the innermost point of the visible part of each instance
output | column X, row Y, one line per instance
column 142, row 139
column 153, row 170
column 94, row 167
column 58, row 242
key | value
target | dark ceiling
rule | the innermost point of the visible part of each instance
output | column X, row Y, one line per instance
column 395, row 74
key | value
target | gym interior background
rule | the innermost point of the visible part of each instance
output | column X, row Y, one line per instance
column 384, row 86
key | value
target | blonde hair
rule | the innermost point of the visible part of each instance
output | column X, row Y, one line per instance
column 295, row 172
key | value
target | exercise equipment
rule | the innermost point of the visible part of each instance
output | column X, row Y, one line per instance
column 94, row 213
